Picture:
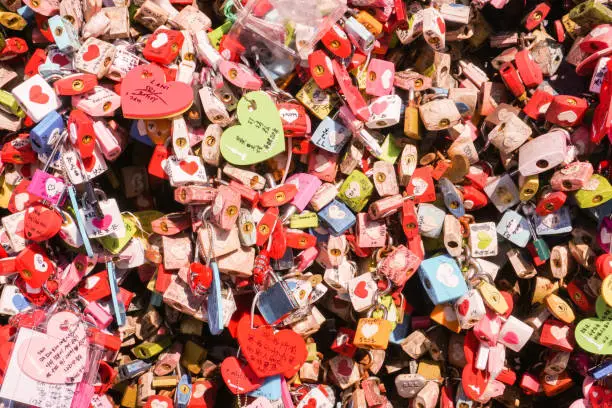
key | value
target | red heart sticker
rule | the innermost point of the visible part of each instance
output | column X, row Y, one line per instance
column 463, row 307
column 41, row 223
column 238, row 376
column 145, row 94
column 93, row 52
column 360, row 290
column 37, row 95
column 269, row 352
column 188, row 167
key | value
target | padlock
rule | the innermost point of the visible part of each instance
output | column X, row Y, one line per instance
column 550, row 202
column 65, row 35
column 385, row 111
column 565, row 110
column 439, row 114
column 95, row 57
column 37, row 97
column 399, row 265
column 514, row 334
column 330, row 135
column 321, row 69
column 373, row 333
column 163, row 46
column 470, row 309
column 442, row 279
column 510, row 134
column 595, row 192
column 380, row 77
column 276, row 301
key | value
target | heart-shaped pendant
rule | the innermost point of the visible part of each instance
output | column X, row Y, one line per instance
column 238, row 376
column 259, row 136
column 591, row 333
column 145, row 94
column 53, row 357
column 41, row 223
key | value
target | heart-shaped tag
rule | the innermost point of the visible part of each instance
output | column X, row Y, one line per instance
column 145, row 94
column 239, row 377
column 33, row 266
column 41, row 223
column 260, row 134
column 59, row 355
column 269, row 352
column 594, row 334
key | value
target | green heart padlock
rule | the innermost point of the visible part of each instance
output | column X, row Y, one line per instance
column 595, row 334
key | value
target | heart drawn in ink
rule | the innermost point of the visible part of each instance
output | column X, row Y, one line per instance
column 102, row 223
column 60, row 59
column 93, row 52
column 344, row 368
column 188, row 167
column 37, row 95
column 260, row 134
column 66, row 337
column 145, row 94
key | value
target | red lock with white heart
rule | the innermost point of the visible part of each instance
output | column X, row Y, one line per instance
column 34, row 266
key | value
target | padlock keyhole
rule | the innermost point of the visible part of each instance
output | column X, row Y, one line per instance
column 542, row 163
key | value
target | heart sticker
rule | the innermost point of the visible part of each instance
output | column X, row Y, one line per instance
column 567, row 116
column 289, row 115
column 56, row 356
column 260, row 134
column 361, row 290
column 484, row 240
column 20, row 200
column 145, row 94
column 102, row 223
column 446, row 275
column 160, row 40
column 336, row 213
column 387, row 79
column 369, row 329
column 41, row 223
column 189, row 167
column 93, row 52
column 353, row 190
column 38, row 96
column 54, row 187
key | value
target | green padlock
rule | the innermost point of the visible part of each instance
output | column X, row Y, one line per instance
column 215, row 35
column 595, row 192
column 9, row 104
column 356, row 191
column 306, row 219
column 115, row 245
column 390, row 149
column 590, row 13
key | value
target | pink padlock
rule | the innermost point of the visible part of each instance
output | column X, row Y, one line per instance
column 487, row 329
column 307, row 185
column 240, row 75
column 47, row 187
column 399, row 265
column 106, row 141
column 100, row 316
column 370, row 233
column 226, row 207
column 572, row 177
column 323, row 164
column 379, row 81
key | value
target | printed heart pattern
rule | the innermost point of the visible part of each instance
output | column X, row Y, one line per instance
column 34, row 356
column 484, row 240
column 289, row 115
column 336, row 213
column 270, row 352
column 344, row 368
column 567, row 116
column 260, row 134
column 38, row 96
column 239, row 377
column 54, row 187
column 93, row 52
column 379, row 107
column 353, row 190
column 511, row 338
column 387, row 79
column 60, row 59
column 145, row 94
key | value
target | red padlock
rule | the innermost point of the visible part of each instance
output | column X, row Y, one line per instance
column 598, row 39
column 556, row 335
column 536, row 16
column 579, row 297
column 278, row 196
column 603, row 264
column 538, row 104
column 82, row 133
column 266, row 225
column 566, row 110
column 550, row 202
column 158, row 158
column 163, row 46
column 560, row 31
column 38, row 57
column 321, row 70
column 528, row 69
column 43, row 26
column 511, row 78
column 337, row 42
column 294, row 119
column 351, row 93
column 473, row 198
column 18, row 151
column 75, row 84
column 13, row 47
column 199, row 278
column 299, row 240
column 34, row 266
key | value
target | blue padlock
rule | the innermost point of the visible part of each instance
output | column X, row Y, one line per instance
column 270, row 389
column 138, row 132
column 559, row 222
column 430, row 219
column 183, row 392
column 452, row 198
column 285, row 262
column 65, row 35
column 442, row 279
column 276, row 302
column 514, row 227
column 338, row 217
column 27, row 13
column 330, row 135
column 50, row 125
column 49, row 69
column 401, row 330
column 215, row 302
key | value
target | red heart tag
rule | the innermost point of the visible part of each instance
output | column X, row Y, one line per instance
column 34, row 266
column 238, row 376
column 270, row 353
column 37, row 95
column 145, row 94
column 41, row 223
column 474, row 381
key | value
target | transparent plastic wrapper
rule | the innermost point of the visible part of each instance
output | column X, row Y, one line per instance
column 281, row 32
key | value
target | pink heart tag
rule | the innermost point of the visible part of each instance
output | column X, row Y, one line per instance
column 102, row 223
column 59, row 355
